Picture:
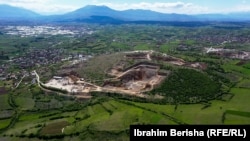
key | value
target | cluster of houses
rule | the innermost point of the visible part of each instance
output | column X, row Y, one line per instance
column 38, row 58
column 17, row 76
column 41, row 57
column 27, row 31
column 228, row 53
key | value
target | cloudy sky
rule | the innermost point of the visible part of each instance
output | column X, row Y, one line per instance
column 47, row 7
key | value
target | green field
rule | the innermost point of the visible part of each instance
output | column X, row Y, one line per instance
column 244, row 84
column 218, row 95
column 54, row 128
column 232, row 67
column 4, row 123
column 47, row 116
column 111, row 117
column 25, row 103
column 142, row 47
column 4, row 102
column 237, row 120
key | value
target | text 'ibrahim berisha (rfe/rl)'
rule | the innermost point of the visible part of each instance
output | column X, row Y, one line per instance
column 194, row 132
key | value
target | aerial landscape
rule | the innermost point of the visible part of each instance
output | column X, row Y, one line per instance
column 88, row 70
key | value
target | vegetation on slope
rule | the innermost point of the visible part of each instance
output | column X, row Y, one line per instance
column 188, row 85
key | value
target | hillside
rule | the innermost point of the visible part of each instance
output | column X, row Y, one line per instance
column 15, row 13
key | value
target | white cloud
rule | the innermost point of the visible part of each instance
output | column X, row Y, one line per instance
column 242, row 8
column 244, row 2
column 175, row 7
column 95, row 1
column 41, row 6
column 24, row 2
column 53, row 9
column 58, row 7
column 236, row 8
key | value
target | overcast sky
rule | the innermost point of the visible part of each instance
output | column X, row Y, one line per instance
column 47, row 7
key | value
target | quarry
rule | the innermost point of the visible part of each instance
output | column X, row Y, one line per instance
column 142, row 76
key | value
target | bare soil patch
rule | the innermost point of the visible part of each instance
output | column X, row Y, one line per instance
column 142, row 77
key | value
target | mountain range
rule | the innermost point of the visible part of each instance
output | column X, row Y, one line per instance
column 15, row 13
column 104, row 14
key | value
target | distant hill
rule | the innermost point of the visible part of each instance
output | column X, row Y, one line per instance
column 127, row 15
column 14, row 13
column 104, row 14
column 87, row 13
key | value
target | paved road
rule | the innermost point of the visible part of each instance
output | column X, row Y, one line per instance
column 19, row 82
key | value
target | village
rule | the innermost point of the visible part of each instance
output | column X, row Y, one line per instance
column 36, row 58
column 33, row 31
column 228, row 53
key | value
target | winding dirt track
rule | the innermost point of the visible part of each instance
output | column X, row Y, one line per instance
column 97, row 89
